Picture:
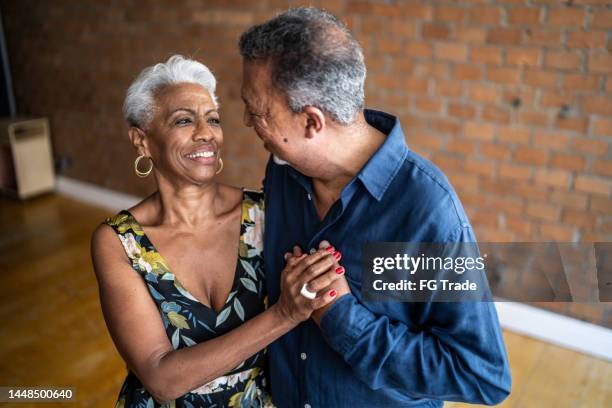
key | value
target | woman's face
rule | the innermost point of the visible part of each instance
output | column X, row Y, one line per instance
column 184, row 137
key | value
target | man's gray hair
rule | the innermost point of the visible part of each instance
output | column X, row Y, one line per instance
column 139, row 104
column 314, row 59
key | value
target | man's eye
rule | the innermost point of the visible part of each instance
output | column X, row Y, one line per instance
column 214, row 121
column 183, row 121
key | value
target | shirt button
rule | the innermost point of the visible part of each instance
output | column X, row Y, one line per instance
column 303, row 356
column 307, row 406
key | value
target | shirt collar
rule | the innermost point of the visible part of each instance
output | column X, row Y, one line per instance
column 382, row 167
column 379, row 171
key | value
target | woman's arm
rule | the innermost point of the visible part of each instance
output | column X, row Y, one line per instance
column 135, row 325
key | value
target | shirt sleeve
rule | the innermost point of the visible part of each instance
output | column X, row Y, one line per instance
column 456, row 354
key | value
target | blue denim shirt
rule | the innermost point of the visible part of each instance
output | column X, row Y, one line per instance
column 379, row 354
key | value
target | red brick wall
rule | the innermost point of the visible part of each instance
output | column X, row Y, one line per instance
column 512, row 99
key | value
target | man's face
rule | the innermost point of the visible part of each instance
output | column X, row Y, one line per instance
column 267, row 112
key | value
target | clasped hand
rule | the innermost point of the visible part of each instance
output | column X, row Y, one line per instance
column 322, row 274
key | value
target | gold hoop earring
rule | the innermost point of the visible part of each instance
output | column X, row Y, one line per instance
column 139, row 173
column 220, row 167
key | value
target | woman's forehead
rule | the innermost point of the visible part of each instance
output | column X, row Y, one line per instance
column 175, row 96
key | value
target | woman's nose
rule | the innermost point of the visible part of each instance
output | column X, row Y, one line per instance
column 202, row 133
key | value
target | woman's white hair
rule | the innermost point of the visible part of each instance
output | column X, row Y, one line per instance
column 139, row 104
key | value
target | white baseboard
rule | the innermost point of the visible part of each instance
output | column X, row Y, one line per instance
column 530, row 321
column 93, row 194
column 555, row 328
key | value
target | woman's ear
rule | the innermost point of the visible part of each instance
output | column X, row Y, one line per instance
column 315, row 121
column 137, row 136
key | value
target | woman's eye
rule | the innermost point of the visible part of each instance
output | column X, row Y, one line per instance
column 214, row 121
column 183, row 121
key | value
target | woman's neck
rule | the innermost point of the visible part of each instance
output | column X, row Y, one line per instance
column 187, row 205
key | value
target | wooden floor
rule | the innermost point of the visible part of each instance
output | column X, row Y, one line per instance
column 52, row 332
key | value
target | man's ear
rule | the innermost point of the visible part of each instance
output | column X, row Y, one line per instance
column 315, row 121
column 137, row 136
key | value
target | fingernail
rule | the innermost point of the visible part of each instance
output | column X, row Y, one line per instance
column 340, row 270
column 330, row 249
column 337, row 255
column 332, row 293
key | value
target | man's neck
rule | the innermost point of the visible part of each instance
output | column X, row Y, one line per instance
column 357, row 144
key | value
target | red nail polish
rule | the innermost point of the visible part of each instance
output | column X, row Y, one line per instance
column 332, row 293
column 337, row 255
column 330, row 249
column 340, row 270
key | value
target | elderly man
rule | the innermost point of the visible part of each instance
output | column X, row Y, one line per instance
column 344, row 174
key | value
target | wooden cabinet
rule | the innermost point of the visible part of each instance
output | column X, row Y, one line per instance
column 26, row 160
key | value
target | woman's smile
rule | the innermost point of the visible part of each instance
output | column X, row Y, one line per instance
column 205, row 155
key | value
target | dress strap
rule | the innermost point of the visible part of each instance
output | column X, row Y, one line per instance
column 252, row 225
column 123, row 222
column 130, row 234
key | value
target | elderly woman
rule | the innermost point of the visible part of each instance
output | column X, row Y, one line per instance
column 182, row 288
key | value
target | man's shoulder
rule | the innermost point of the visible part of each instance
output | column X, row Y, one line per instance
column 425, row 174
column 422, row 187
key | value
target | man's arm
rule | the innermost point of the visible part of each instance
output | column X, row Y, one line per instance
column 458, row 354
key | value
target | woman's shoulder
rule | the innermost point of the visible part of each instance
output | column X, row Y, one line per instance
column 105, row 247
column 145, row 210
column 119, row 224
column 110, row 226
column 115, row 221
column 249, row 196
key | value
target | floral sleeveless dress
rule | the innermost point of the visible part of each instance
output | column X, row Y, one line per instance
column 189, row 322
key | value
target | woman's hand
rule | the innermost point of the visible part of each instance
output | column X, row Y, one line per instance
column 340, row 285
column 319, row 270
column 136, row 326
